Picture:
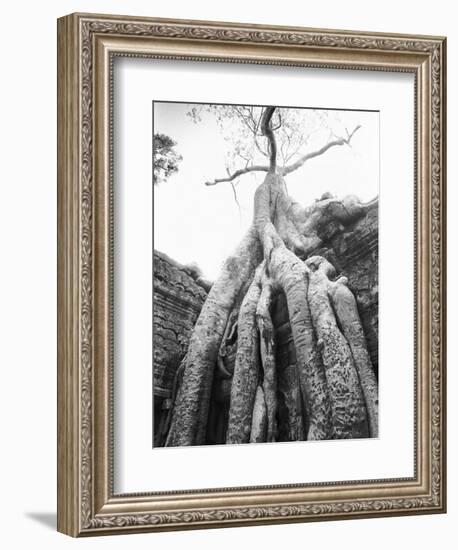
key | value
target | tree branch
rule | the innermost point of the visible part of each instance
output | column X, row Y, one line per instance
column 237, row 173
column 267, row 130
column 340, row 141
column 234, row 190
column 285, row 169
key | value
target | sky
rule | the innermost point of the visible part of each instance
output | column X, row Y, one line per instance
column 198, row 224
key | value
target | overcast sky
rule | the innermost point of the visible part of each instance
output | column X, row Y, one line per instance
column 194, row 223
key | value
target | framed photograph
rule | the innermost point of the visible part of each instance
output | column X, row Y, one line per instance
column 251, row 289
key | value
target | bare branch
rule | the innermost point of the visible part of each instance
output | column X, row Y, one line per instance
column 265, row 124
column 259, row 148
column 245, row 117
column 340, row 141
column 349, row 136
column 237, row 173
column 236, row 198
column 278, row 126
column 266, row 127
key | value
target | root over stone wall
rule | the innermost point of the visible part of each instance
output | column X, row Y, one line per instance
column 180, row 292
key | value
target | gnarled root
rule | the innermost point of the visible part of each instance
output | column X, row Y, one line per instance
column 246, row 370
column 333, row 399
column 291, row 274
column 348, row 407
column 176, row 386
column 189, row 419
column 267, row 351
column 346, row 311
column 259, row 420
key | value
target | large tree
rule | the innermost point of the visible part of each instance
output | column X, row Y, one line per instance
column 337, row 382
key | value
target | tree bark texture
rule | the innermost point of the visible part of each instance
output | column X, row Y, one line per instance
column 346, row 397
column 337, row 385
column 190, row 415
column 292, row 276
column 246, row 371
column 346, row 311
column 259, row 421
column 267, row 352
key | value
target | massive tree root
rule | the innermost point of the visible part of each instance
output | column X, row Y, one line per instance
column 267, row 353
column 346, row 312
column 259, row 421
column 189, row 418
column 246, row 371
column 337, row 382
column 345, row 394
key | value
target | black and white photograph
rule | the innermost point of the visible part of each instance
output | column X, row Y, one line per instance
column 265, row 274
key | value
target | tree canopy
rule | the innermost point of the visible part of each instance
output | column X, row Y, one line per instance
column 165, row 158
column 250, row 148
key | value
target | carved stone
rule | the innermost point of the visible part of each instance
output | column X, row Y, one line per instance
column 178, row 296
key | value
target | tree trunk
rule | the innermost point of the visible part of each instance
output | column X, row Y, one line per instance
column 290, row 273
column 190, row 415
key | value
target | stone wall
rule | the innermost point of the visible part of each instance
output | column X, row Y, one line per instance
column 178, row 296
column 353, row 251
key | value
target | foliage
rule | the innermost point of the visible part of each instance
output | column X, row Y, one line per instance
column 294, row 128
column 165, row 158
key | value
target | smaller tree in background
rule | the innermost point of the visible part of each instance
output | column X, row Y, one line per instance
column 165, row 158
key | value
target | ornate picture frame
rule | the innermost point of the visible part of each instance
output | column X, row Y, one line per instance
column 87, row 46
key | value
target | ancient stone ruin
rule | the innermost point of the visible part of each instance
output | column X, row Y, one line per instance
column 345, row 266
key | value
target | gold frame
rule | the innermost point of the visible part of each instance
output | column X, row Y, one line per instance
column 87, row 44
